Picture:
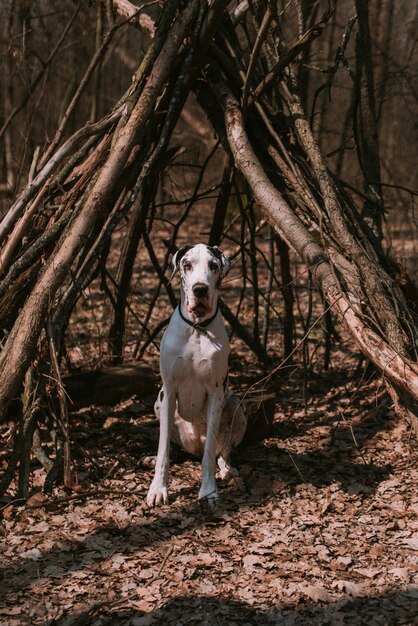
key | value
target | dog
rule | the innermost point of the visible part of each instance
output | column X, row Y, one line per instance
column 194, row 405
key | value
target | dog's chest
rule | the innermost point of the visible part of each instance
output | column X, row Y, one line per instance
column 196, row 373
column 201, row 360
column 192, row 356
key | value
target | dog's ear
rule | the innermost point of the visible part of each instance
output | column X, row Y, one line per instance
column 175, row 262
column 225, row 262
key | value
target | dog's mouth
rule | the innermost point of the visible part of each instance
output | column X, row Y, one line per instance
column 200, row 308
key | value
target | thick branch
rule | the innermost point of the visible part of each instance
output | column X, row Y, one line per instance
column 399, row 370
column 126, row 9
column 33, row 187
column 21, row 343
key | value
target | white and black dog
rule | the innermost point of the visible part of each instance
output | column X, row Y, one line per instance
column 194, row 406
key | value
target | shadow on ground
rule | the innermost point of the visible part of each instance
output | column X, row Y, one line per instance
column 394, row 609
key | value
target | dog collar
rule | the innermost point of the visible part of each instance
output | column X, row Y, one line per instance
column 195, row 325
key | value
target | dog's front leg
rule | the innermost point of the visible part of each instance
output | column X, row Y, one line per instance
column 158, row 493
column 208, row 490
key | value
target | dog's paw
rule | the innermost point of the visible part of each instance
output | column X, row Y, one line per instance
column 210, row 506
column 209, row 500
column 228, row 473
column 157, row 494
column 149, row 461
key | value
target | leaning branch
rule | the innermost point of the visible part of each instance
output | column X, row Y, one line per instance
column 311, row 34
column 67, row 148
column 127, row 10
column 398, row 369
column 20, row 346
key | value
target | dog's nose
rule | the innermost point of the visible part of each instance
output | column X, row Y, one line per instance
column 200, row 291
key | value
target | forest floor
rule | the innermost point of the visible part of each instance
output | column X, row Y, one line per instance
column 320, row 528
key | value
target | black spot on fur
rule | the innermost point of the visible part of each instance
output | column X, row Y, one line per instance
column 161, row 395
column 220, row 257
column 216, row 253
column 180, row 254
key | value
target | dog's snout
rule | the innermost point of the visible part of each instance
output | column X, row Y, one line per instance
column 200, row 291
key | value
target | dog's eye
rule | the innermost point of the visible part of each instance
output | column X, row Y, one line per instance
column 187, row 266
column 213, row 266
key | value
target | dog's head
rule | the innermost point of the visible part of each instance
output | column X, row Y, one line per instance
column 201, row 269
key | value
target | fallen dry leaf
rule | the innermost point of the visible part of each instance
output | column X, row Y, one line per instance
column 317, row 593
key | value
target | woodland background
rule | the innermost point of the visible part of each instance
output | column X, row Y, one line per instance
column 117, row 131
